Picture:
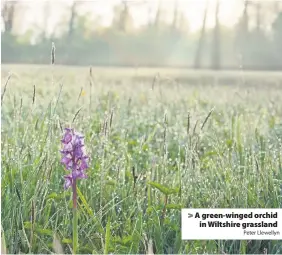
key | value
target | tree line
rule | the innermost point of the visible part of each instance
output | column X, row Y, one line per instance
column 158, row 43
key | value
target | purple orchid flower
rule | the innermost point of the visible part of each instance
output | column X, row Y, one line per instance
column 75, row 159
column 74, row 156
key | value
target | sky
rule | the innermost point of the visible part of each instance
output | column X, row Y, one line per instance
column 141, row 10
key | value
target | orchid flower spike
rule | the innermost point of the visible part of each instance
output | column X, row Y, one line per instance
column 74, row 156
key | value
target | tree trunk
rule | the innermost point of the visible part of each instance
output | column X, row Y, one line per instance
column 242, row 37
column 158, row 14
column 216, row 41
column 245, row 24
column 175, row 16
column 258, row 16
column 72, row 18
column 123, row 17
column 200, row 47
column 8, row 11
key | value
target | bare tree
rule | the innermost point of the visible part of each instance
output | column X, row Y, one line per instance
column 123, row 17
column 8, row 15
column 175, row 16
column 158, row 15
column 216, row 40
column 242, row 36
column 258, row 16
column 245, row 21
column 72, row 19
column 200, row 47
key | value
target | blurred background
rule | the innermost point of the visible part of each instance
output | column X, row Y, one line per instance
column 200, row 34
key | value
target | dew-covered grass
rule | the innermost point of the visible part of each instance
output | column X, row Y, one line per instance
column 157, row 144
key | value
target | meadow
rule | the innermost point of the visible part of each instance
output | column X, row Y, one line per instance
column 159, row 140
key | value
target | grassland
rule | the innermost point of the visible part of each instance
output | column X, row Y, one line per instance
column 215, row 139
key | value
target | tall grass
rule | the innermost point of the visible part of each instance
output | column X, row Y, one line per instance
column 147, row 161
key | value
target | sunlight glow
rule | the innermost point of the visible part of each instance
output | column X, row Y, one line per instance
column 141, row 10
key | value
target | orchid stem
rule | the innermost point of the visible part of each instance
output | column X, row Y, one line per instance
column 75, row 233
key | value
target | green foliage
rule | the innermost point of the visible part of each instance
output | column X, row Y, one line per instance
column 165, row 190
column 107, row 237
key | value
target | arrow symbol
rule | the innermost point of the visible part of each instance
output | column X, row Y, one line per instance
column 190, row 215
